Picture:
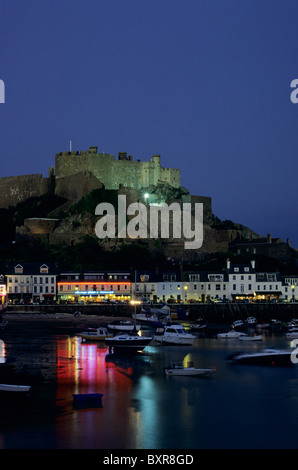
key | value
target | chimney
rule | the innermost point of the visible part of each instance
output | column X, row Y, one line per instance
column 269, row 239
column 253, row 264
column 228, row 264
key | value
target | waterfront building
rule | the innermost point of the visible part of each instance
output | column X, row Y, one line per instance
column 268, row 286
column 94, row 286
column 290, row 288
column 164, row 286
column 3, row 292
column 145, row 286
column 207, row 285
column 43, row 283
column 31, row 282
column 171, row 287
column 242, row 280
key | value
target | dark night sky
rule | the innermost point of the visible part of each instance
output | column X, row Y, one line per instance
column 203, row 83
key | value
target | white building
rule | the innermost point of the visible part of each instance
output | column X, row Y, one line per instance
column 290, row 288
column 31, row 282
column 241, row 279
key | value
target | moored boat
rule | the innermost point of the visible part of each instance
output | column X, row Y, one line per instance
column 174, row 334
column 177, row 369
column 272, row 357
column 292, row 335
column 87, row 400
column 128, row 342
column 237, row 324
column 14, row 388
column 251, row 320
column 262, row 325
column 232, row 334
column 150, row 319
column 251, row 337
column 122, row 325
column 164, row 311
column 98, row 334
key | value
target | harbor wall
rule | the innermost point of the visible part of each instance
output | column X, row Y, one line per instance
column 211, row 313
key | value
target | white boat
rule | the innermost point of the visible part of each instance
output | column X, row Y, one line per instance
column 150, row 318
column 232, row 334
column 263, row 325
column 98, row 334
column 275, row 322
column 251, row 338
column 179, row 370
column 237, row 323
column 128, row 342
column 195, row 326
column 165, row 310
column 292, row 335
column 272, row 357
column 251, row 320
column 14, row 388
column 173, row 334
column 122, row 325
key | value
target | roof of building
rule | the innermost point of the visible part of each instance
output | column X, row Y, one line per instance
column 32, row 268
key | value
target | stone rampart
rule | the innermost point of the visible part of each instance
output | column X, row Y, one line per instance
column 15, row 189
column 115, row 173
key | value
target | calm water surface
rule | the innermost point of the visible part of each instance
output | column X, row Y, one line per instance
column 239, row 407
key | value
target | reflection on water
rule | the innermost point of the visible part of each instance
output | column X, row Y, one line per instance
column 90, row 368
column 238, row 407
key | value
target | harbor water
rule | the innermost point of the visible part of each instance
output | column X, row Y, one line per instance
column 238, row 407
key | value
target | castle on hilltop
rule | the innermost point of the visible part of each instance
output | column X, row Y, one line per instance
column 115, row 173
column 77, row 173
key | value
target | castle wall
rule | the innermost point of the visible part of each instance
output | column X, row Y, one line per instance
column 77, row 186
column 15, row 189
column 113, row 173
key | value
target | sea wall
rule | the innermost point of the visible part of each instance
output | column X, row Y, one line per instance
column 211, row 313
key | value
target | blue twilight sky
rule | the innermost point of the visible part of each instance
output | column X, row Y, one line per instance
column 203, row 83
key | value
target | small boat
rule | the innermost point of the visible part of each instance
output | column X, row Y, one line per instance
column 87, row 400
column 292, row 335
column 251, row 337
column 98, row 334
column 14, row 388
column 173, row 334
column 272, row 357
column 263, row 325
column 275, row 322
column 232, row 334
column 165, row 310
column 237, row 324
column 251, row 320
column 198, row 327
column 150, row 318
column 190, row 370
column 122, row 325
column 128, row 342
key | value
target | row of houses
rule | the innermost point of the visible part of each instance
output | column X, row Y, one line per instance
column 43, row 282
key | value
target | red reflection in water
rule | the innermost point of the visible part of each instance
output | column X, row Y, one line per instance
column 88, row 368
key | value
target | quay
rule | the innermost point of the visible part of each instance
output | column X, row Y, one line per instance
column 210, row 313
